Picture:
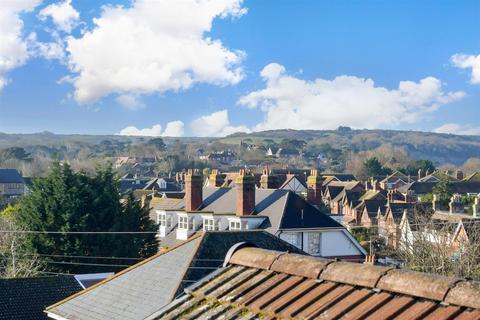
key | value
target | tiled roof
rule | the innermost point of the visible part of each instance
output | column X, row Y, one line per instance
column 10, row 176
column 348, row 185
column 261, row 284
column 340, row 176
column 371, row 195
column 395, row 176
column 144, row 288
column 26, row 298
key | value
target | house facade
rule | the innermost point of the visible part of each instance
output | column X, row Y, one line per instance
column 12, row 186
column 245, row 207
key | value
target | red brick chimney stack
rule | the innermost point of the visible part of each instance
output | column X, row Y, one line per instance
column 245, row 185
column 193, row 190
column 314, row 188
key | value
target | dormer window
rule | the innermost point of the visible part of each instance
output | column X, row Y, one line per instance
column 238, row 225
column 164, row 220
column 210, row 224
column 162, row 184
column 185, row 222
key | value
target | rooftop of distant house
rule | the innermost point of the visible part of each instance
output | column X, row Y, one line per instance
column 10, row 176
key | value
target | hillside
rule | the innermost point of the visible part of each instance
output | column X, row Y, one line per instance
column 440, row 148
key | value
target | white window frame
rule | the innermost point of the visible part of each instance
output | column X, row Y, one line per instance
column 293, row 238
column 235, row 225
column 165, row 220
column 210, row 224
column 162, row 219
column 185, row 222
column 314, row 241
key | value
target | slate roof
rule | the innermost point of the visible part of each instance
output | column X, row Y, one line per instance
column 262, row 284
column 283, row 208
column 461, row 187
column 296, row 179
column 373, row 206
column 154, row 184
column 417, row 187
column 144, row 288
column 134, row 292
column 26, row 298
column 10, row 176
column 127, row 185
column 397, row 210
column 333, row 191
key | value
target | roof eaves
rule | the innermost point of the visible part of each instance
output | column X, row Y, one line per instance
column 49, row 308
column 201, row 236
column 422, row 285
column 280, row 222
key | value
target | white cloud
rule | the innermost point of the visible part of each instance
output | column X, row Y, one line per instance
column 129, row 102
column 464, row 61
column 153, row 46
column 63, row 15
column 290, row 102
column 216, row 124
column 154, row 131
column 13, row 48
column 46, row 50
column 455, row 128
column 173, row 129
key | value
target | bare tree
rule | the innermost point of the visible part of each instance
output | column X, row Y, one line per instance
column 17, row 259
column 447, row 247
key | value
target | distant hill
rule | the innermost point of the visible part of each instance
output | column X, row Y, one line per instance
column 438, row 147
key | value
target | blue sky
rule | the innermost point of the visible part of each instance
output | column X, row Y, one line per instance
column 212, row 68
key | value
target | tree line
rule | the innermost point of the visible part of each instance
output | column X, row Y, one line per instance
column 74, row 214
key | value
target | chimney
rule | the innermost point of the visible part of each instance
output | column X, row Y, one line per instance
column 245, row 185
column 193, row 190
column 314, row 188
column 215, row 179
column 459, row 175
column 419, row 174
column 390, row 195
column 267, row 180
column 476, row 207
